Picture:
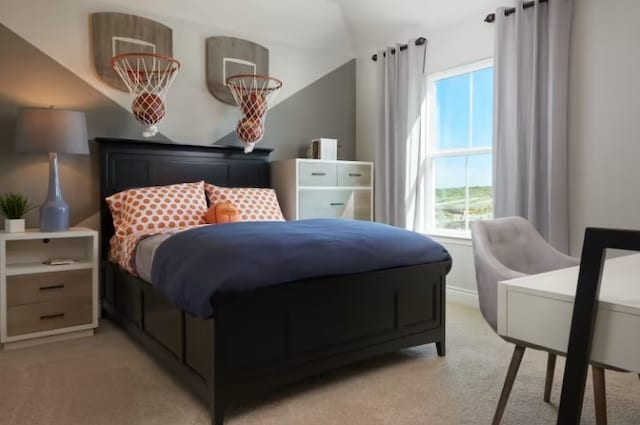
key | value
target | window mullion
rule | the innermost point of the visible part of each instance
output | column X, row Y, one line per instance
column 466, row 160
column 466, row 193
column 470, row 144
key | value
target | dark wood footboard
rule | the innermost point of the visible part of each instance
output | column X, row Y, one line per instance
column 274, row 336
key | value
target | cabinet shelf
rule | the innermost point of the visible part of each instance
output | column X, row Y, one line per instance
column 34, row 268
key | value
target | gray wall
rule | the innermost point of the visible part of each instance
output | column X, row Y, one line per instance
column 325, row 108
column 28, row 77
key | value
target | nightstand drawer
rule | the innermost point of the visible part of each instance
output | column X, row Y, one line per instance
column 354, row 175
column 317, row 174
column 38, row 288
column 31, row 318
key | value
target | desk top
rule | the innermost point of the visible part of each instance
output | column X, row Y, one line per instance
column 619, row 291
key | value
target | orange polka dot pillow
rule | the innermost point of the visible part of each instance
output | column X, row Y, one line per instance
column 252, row 204
column 157, row 208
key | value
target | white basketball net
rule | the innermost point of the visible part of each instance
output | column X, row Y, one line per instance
column 148, row 76
column 253, row 93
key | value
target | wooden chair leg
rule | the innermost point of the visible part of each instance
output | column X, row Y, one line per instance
column 551, row 367
column 599, row 395
column 516, row 359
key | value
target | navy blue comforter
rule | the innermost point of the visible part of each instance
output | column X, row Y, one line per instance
column 192, row 266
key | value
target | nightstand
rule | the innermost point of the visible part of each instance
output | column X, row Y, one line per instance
column 42, row 303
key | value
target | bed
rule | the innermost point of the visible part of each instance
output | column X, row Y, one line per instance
column 265, row 338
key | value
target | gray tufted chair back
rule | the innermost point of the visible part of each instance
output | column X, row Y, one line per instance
column 506, row 248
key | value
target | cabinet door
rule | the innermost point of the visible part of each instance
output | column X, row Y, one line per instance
column 318, row 173
column 335, row 203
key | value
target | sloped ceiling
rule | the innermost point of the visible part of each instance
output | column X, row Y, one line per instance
column 361, row 25
column 372, row 24
column 314, row 24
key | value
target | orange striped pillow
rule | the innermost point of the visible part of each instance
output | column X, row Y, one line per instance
column 253, row 204
column 156, row 208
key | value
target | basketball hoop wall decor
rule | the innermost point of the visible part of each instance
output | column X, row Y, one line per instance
column 147, row 76
column 252, row 93
column 116, row 33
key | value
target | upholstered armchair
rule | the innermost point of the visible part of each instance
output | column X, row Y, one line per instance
column 506, row 248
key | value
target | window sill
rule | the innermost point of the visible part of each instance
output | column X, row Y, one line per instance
column 454, row 238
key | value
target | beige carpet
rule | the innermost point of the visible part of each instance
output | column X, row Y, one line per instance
column 108, row 380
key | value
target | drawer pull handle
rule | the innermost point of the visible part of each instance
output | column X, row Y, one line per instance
column 52, row 316
column 355, row 175
column 318, row 174
column 337, row 204
column 49, row 288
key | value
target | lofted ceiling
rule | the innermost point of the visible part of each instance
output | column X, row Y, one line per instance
column 360, row 24
column 373, row 24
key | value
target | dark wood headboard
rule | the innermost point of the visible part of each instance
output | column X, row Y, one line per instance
column 126, row 164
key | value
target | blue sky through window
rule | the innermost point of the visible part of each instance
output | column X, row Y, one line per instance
column 482, row 108
column 452, row 97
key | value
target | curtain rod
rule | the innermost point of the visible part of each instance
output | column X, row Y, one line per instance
column 491, row 17
column 419, row 42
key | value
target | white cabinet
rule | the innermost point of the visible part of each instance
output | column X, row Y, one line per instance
column 41, row 302
column 312, row 188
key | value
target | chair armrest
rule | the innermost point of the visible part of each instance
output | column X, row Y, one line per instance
column 502, row 272
column 563, row 261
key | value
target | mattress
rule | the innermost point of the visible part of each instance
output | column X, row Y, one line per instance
column 145, row 252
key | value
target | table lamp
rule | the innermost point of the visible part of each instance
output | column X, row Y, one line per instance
column 54, row 131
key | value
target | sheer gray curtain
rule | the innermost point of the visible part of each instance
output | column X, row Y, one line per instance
column 400, row 151
column 530, row 119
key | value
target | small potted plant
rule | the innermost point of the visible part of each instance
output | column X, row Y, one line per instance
column 14, row 207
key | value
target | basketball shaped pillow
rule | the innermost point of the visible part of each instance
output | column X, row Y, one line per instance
column 148, row 108
column 222, row 212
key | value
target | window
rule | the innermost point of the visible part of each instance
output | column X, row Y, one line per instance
column 459, row 141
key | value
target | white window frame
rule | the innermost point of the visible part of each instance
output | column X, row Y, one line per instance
column 432, row 154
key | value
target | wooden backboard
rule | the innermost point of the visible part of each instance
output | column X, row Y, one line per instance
column 115, row 33
column 227, row 56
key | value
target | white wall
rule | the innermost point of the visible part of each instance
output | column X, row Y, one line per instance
column 604, row 128
column 60, row 29
column 468, row 42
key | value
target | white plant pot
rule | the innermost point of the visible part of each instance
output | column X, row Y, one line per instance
column 14, row 226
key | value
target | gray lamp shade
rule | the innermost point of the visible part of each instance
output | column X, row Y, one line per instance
column 52, row 130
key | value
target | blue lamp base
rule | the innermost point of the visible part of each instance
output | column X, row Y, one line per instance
column 54, row 213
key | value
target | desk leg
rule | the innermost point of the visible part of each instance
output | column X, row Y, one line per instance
column 516, row 359
column 551, row 367
column 599, row 395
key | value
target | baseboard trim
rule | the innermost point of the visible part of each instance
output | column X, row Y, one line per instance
column 46, row 339
column 462, row 296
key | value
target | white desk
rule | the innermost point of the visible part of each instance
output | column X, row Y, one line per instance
column 537, row 310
